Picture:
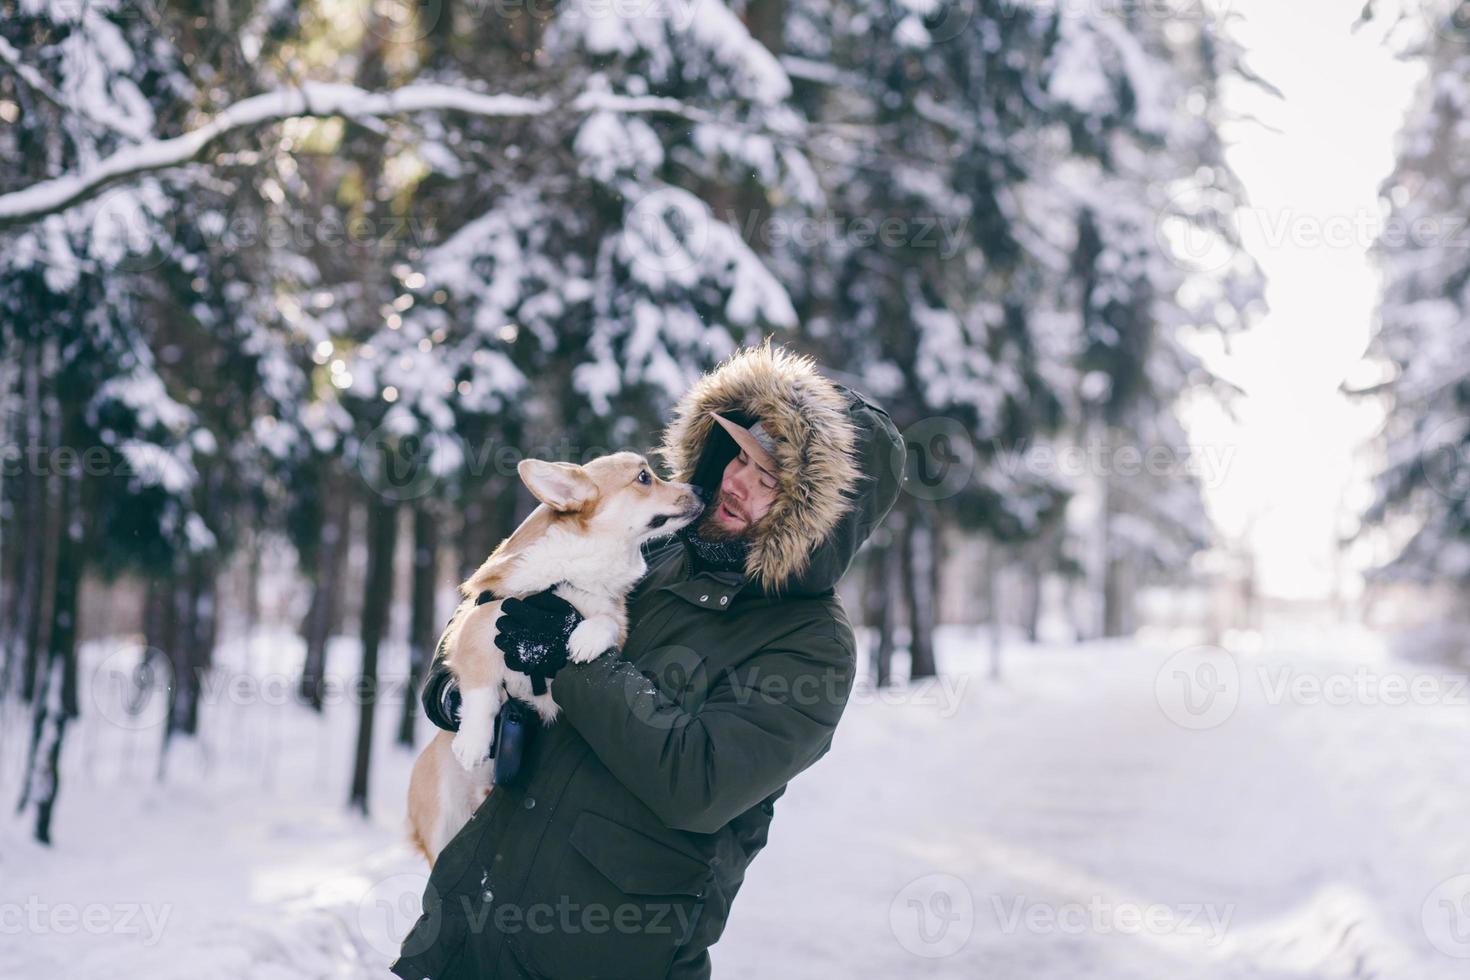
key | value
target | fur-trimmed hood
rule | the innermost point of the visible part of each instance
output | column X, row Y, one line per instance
column 840, row 459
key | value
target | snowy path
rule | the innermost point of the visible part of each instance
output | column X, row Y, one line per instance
column 1062, row 824
column 1046, row 816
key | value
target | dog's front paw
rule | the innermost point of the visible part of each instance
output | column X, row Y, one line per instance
column 546, row 708
column 471, row 745
column 591, row 638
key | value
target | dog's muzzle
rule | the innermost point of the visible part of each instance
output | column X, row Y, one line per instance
column 687, row 514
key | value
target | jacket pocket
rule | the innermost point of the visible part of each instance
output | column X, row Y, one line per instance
column 619, row 907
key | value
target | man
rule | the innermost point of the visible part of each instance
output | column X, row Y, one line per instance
column 619, row 849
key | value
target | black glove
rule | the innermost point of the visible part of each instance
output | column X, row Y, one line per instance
column 532, row 632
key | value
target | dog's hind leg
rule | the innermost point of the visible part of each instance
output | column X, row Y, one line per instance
column 442, row 797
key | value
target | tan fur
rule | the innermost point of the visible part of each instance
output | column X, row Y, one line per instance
column 425, row 806
column 605, row 514
column 807, row 415
column 420, row 799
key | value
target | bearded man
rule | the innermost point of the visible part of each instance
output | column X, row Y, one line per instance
column 619, row 846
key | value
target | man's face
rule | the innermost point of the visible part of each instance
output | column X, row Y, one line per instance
column 746, row 493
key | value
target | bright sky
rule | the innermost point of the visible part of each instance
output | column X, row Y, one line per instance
column 1295, row 468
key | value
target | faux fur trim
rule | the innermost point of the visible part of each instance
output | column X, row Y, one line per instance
column 807, row 414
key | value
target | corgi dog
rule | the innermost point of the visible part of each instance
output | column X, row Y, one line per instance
column 583, row 540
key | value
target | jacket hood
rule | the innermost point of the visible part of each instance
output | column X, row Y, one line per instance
column 841, row 462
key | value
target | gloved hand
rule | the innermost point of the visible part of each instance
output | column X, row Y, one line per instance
column 532, row 632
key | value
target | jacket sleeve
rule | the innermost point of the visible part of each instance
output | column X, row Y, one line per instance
column 698, row 769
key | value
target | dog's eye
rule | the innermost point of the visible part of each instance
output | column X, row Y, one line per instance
column 644, row 478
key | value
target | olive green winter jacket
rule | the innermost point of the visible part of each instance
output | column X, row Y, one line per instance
column 622, row 851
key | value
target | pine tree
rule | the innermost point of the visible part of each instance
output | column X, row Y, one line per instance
column 1023, row 156
column 1153, row 227
column 148, row 348
column 1422, row 343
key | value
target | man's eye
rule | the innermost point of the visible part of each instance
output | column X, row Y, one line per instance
column 644, row 478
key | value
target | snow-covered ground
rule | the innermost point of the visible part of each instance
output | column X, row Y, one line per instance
column 1294, row 808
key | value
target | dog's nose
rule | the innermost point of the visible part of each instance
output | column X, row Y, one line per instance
column 698, row 492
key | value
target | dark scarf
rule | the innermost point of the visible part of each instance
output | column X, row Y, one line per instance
column 715, row 556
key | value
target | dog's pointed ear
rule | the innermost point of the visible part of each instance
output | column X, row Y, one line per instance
column 564, row 487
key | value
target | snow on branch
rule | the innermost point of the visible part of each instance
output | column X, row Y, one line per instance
column 318, row 99
column 28, row 74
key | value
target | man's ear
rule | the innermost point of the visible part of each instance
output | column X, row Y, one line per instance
column 564, row 487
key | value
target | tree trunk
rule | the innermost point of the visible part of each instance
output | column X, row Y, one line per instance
column 1034, row 559
column 201, row 630
column 878, row 606
column 377, row 598
column 916, row 571
column 992, row 590
column 185, row 719
column 423, row 623
column 439, row 32
column 38, row 590
column 765, row 19
column 185, row 696
column 1110, row 608
column 155, row 615
column 51, row 779
column 936, row 564
column 326, row 593
column 256, row 544
column 1117, row 600
column 7, row 382
column 56, row 698
column 165, row 638
column 487, row 518
column 1117, row 590
column 1078, row 619
column 1034, row 582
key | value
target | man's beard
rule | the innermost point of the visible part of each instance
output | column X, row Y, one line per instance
column 716, row 546
column 711, row 529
